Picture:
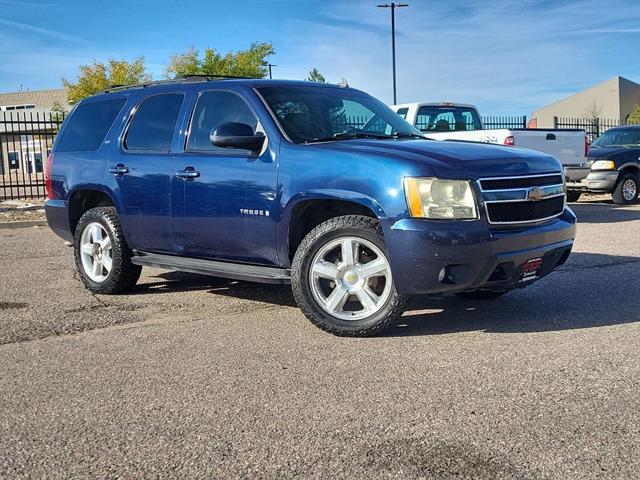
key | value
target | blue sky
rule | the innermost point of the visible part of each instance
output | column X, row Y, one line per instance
column 508, row 57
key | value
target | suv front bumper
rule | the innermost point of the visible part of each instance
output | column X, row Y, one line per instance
column 597, row 182
column 430, row 257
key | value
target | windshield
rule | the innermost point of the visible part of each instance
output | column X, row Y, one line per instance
column 619, row 137
column 312, row 114
column 439, row 118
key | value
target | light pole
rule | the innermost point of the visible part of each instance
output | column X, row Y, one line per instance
column 270, row 65
column 393, row 7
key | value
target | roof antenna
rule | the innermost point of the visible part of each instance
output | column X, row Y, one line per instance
column 343, row 83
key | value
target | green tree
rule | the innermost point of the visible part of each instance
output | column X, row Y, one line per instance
column 316, row 76
column 98, row 76
column 251, row 62
column 58, row 108
column 634, row 116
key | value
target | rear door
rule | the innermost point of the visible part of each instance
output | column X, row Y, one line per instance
column 225, row 209
column 143, row 169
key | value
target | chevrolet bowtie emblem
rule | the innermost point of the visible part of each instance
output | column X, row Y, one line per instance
column 535, row 195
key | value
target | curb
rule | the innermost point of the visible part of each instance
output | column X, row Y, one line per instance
column 23, row 224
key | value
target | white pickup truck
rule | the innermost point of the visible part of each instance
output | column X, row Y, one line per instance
column 457, row 121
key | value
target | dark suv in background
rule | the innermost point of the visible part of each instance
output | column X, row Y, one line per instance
column 614, row 159
column 322, row 186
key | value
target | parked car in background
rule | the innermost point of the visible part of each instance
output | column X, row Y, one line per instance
column 614, row 161
column 458, row 121
column 267, row 181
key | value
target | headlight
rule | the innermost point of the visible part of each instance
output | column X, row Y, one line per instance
column 440, row 199
column 603, row 165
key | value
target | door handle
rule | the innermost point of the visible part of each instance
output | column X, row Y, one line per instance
column 119, row 169
column 188, row 173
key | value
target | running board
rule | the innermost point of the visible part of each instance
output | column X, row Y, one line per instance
column 236, row 271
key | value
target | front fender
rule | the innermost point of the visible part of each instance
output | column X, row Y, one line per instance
column 284, row 218
column 334, row 194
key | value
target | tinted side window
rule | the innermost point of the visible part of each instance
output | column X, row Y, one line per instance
column 403, row 113
column 154, row 122
column 88, row 125
column 212, row 109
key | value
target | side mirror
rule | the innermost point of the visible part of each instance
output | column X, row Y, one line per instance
column 236, row 135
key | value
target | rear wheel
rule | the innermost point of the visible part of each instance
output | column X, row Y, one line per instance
column 102, row 255
column 341, row 278
column 482, row 294
column 627, row 190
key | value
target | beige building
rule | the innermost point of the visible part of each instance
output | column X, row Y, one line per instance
column 37, row 99
column 613, row 100
column 27, row 131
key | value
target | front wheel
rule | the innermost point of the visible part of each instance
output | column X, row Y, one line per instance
column 341, row 278
column 627, row 189
column 102, row 255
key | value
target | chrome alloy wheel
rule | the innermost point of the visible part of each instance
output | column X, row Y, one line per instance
column 350, row 278
column 629, row 190
column 96, row 252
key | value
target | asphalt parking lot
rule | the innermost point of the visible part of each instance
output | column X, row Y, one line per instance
column 197, row 377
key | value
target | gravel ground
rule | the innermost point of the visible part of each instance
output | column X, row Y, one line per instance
column 197, row 377
column 21, row 210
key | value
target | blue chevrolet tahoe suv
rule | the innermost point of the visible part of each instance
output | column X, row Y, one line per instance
column 321, row 186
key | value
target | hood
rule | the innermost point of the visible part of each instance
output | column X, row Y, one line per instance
column 451, row 159
column 611, row 153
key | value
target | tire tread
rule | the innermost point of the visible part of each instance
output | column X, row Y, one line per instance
column 297, row 274
column 124, row 274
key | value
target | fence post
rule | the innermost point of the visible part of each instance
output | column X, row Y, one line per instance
column 524, row 121
column 555, row 122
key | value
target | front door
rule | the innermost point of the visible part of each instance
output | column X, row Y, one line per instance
column 143, row 171
column 224, row 198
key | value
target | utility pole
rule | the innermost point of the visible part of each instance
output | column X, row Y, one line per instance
column 393, row 7
column 270, row 65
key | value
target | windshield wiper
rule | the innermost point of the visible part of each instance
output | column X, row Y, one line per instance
column 409, row 135
column 349, row 136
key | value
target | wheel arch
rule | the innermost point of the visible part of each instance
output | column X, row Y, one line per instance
column 305, row 211
column 630, row 168
column 82, row 199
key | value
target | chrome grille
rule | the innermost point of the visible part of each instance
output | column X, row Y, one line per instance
column 520, row 182
column 523, row 199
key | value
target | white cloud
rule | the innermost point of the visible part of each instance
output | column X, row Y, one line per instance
column 47, row 32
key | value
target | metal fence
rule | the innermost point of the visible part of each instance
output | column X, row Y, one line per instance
column 26, row 139
column 505, row 122
column 593, row 126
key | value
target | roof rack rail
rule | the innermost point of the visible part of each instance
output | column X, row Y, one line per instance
column 117, row 88
column 183, row 78
column 207, row 76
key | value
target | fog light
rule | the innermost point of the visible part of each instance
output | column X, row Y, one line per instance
column 443, row 274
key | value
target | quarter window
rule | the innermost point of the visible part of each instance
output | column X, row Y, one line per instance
column 154, row 123
column 212, row 109
column 88, row 125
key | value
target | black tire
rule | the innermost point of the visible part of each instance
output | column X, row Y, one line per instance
column 573, row 196
column 123, row 274
column 345, row 226
column 482, row 294
column 620, row 196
